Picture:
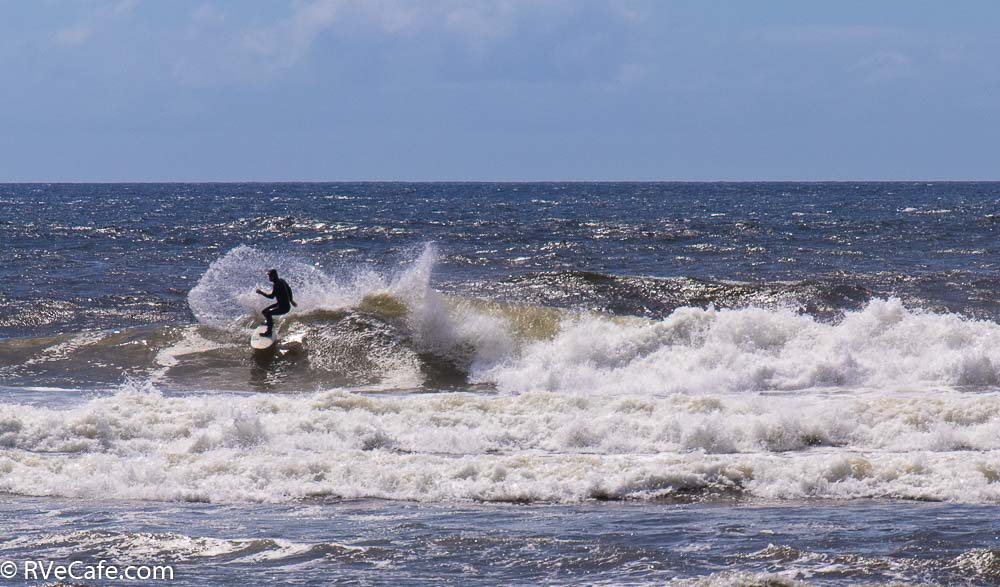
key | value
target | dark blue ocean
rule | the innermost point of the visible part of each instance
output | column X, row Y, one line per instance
column 539, row 383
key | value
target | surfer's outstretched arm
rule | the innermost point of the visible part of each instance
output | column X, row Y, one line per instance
column 267, row 295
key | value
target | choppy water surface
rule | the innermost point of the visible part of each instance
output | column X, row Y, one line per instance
column 470, row 544
column 516, row 383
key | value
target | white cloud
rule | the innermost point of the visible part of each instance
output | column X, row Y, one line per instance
column 104, row 14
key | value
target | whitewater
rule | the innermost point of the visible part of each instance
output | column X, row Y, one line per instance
column 886, row 402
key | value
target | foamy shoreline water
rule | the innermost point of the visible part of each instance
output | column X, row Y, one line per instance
column 533, row 447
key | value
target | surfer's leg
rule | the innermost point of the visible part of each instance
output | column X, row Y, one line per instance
column 270, row 312
column 268, row 317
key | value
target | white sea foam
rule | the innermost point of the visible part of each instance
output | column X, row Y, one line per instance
column 190, row 343
column 883, row 346
column 533, row 446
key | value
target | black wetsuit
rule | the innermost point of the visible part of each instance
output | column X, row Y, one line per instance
column 282, row 295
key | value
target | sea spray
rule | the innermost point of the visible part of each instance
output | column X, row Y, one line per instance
column 445, row 329
column 225, row 292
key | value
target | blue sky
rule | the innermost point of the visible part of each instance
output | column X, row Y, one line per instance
column 191, row 90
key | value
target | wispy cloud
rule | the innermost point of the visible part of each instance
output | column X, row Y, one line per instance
column 220, row 48
column 868, row 53
column 82, row 31
column 830, row 34
column 478, row 23
column 76, row 34
column 287, row 41
column 885, row 65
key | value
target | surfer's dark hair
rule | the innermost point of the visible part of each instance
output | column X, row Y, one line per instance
column 272, row 272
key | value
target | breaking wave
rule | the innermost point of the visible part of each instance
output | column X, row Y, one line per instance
column 393, row 329
column 884, row 346
column 521, row 347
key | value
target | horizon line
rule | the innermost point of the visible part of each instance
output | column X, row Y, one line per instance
column 480, row 181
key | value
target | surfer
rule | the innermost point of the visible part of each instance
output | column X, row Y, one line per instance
column 282, row 295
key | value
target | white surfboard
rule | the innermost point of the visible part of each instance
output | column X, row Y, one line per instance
column 260, row 342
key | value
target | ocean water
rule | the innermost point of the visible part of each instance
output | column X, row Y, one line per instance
column 552, row 383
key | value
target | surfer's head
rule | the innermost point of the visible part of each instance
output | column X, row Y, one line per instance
column 272, row 274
